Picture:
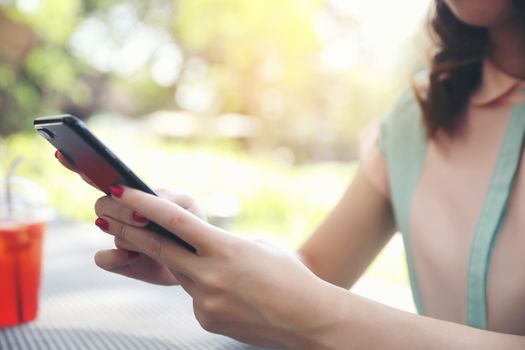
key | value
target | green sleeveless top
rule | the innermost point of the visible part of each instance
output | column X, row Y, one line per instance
column 403, row 142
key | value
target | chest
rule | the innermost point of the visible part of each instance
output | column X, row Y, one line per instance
column 447, row 203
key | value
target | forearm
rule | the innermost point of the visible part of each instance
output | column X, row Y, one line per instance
column 359, row 323
column 351, row 236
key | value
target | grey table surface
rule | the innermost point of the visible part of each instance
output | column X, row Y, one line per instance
column 84, row 307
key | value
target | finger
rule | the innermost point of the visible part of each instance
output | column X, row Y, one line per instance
column 122, row 244
column 89, row 182
column 155, row 246
column 106, row 206
column 186, row 283
column 64, row 161
column 181, row 199
column 142, row 267
column 115, row 258
column 186, row 226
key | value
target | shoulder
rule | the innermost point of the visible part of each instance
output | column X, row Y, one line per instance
column 388, row 142
column 403, row 121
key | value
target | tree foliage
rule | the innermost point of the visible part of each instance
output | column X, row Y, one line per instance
column 263, row 59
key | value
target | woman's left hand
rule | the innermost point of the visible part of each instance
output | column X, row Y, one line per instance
column 240, row 288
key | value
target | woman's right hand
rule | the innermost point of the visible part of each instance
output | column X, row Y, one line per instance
column 125, row 259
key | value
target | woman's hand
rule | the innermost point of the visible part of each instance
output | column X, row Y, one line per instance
column 240, row 288
column 126, row 260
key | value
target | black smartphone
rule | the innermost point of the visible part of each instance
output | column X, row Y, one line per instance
column 73, row 139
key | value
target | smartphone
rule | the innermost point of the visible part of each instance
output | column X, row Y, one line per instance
column 73, row 139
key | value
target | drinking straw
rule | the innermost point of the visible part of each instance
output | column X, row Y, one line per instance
column 11, row 169
column 10, row 210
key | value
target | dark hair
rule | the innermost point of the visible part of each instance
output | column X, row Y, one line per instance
column 455, row 71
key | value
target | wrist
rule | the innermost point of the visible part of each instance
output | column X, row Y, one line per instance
column 323, row 321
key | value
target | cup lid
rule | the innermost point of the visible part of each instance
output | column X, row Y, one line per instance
column 28, row 202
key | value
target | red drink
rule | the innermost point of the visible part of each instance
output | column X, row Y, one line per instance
column 20, row 265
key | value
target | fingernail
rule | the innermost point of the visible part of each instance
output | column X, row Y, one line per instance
column 116, row 190
column 139, row 218
column 57, row 153
column 103, row 224
column 132, row 255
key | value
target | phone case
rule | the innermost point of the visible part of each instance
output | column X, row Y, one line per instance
column 74, row 140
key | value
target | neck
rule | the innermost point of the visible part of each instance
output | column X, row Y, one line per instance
column 507, row 48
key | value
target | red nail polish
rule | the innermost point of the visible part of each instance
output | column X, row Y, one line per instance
column 116, row 190
column 103, row 224
column 57, row 153
column 139, row 218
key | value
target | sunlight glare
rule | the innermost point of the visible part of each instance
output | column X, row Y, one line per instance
column 385, row 24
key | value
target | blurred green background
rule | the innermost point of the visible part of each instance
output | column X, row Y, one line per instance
column 253, row 107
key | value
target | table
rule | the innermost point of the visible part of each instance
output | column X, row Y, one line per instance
column 84, row 307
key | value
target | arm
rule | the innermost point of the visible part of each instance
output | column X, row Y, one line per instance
column 364, row 324
column 351, row 236
column 265, row 296
column 339, row 251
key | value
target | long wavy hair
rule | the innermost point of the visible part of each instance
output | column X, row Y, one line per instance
column 455, row 70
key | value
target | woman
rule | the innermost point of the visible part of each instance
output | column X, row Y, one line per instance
column 434, row 169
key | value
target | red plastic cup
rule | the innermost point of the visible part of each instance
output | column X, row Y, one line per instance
column 22, row 228
column 20, row 266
